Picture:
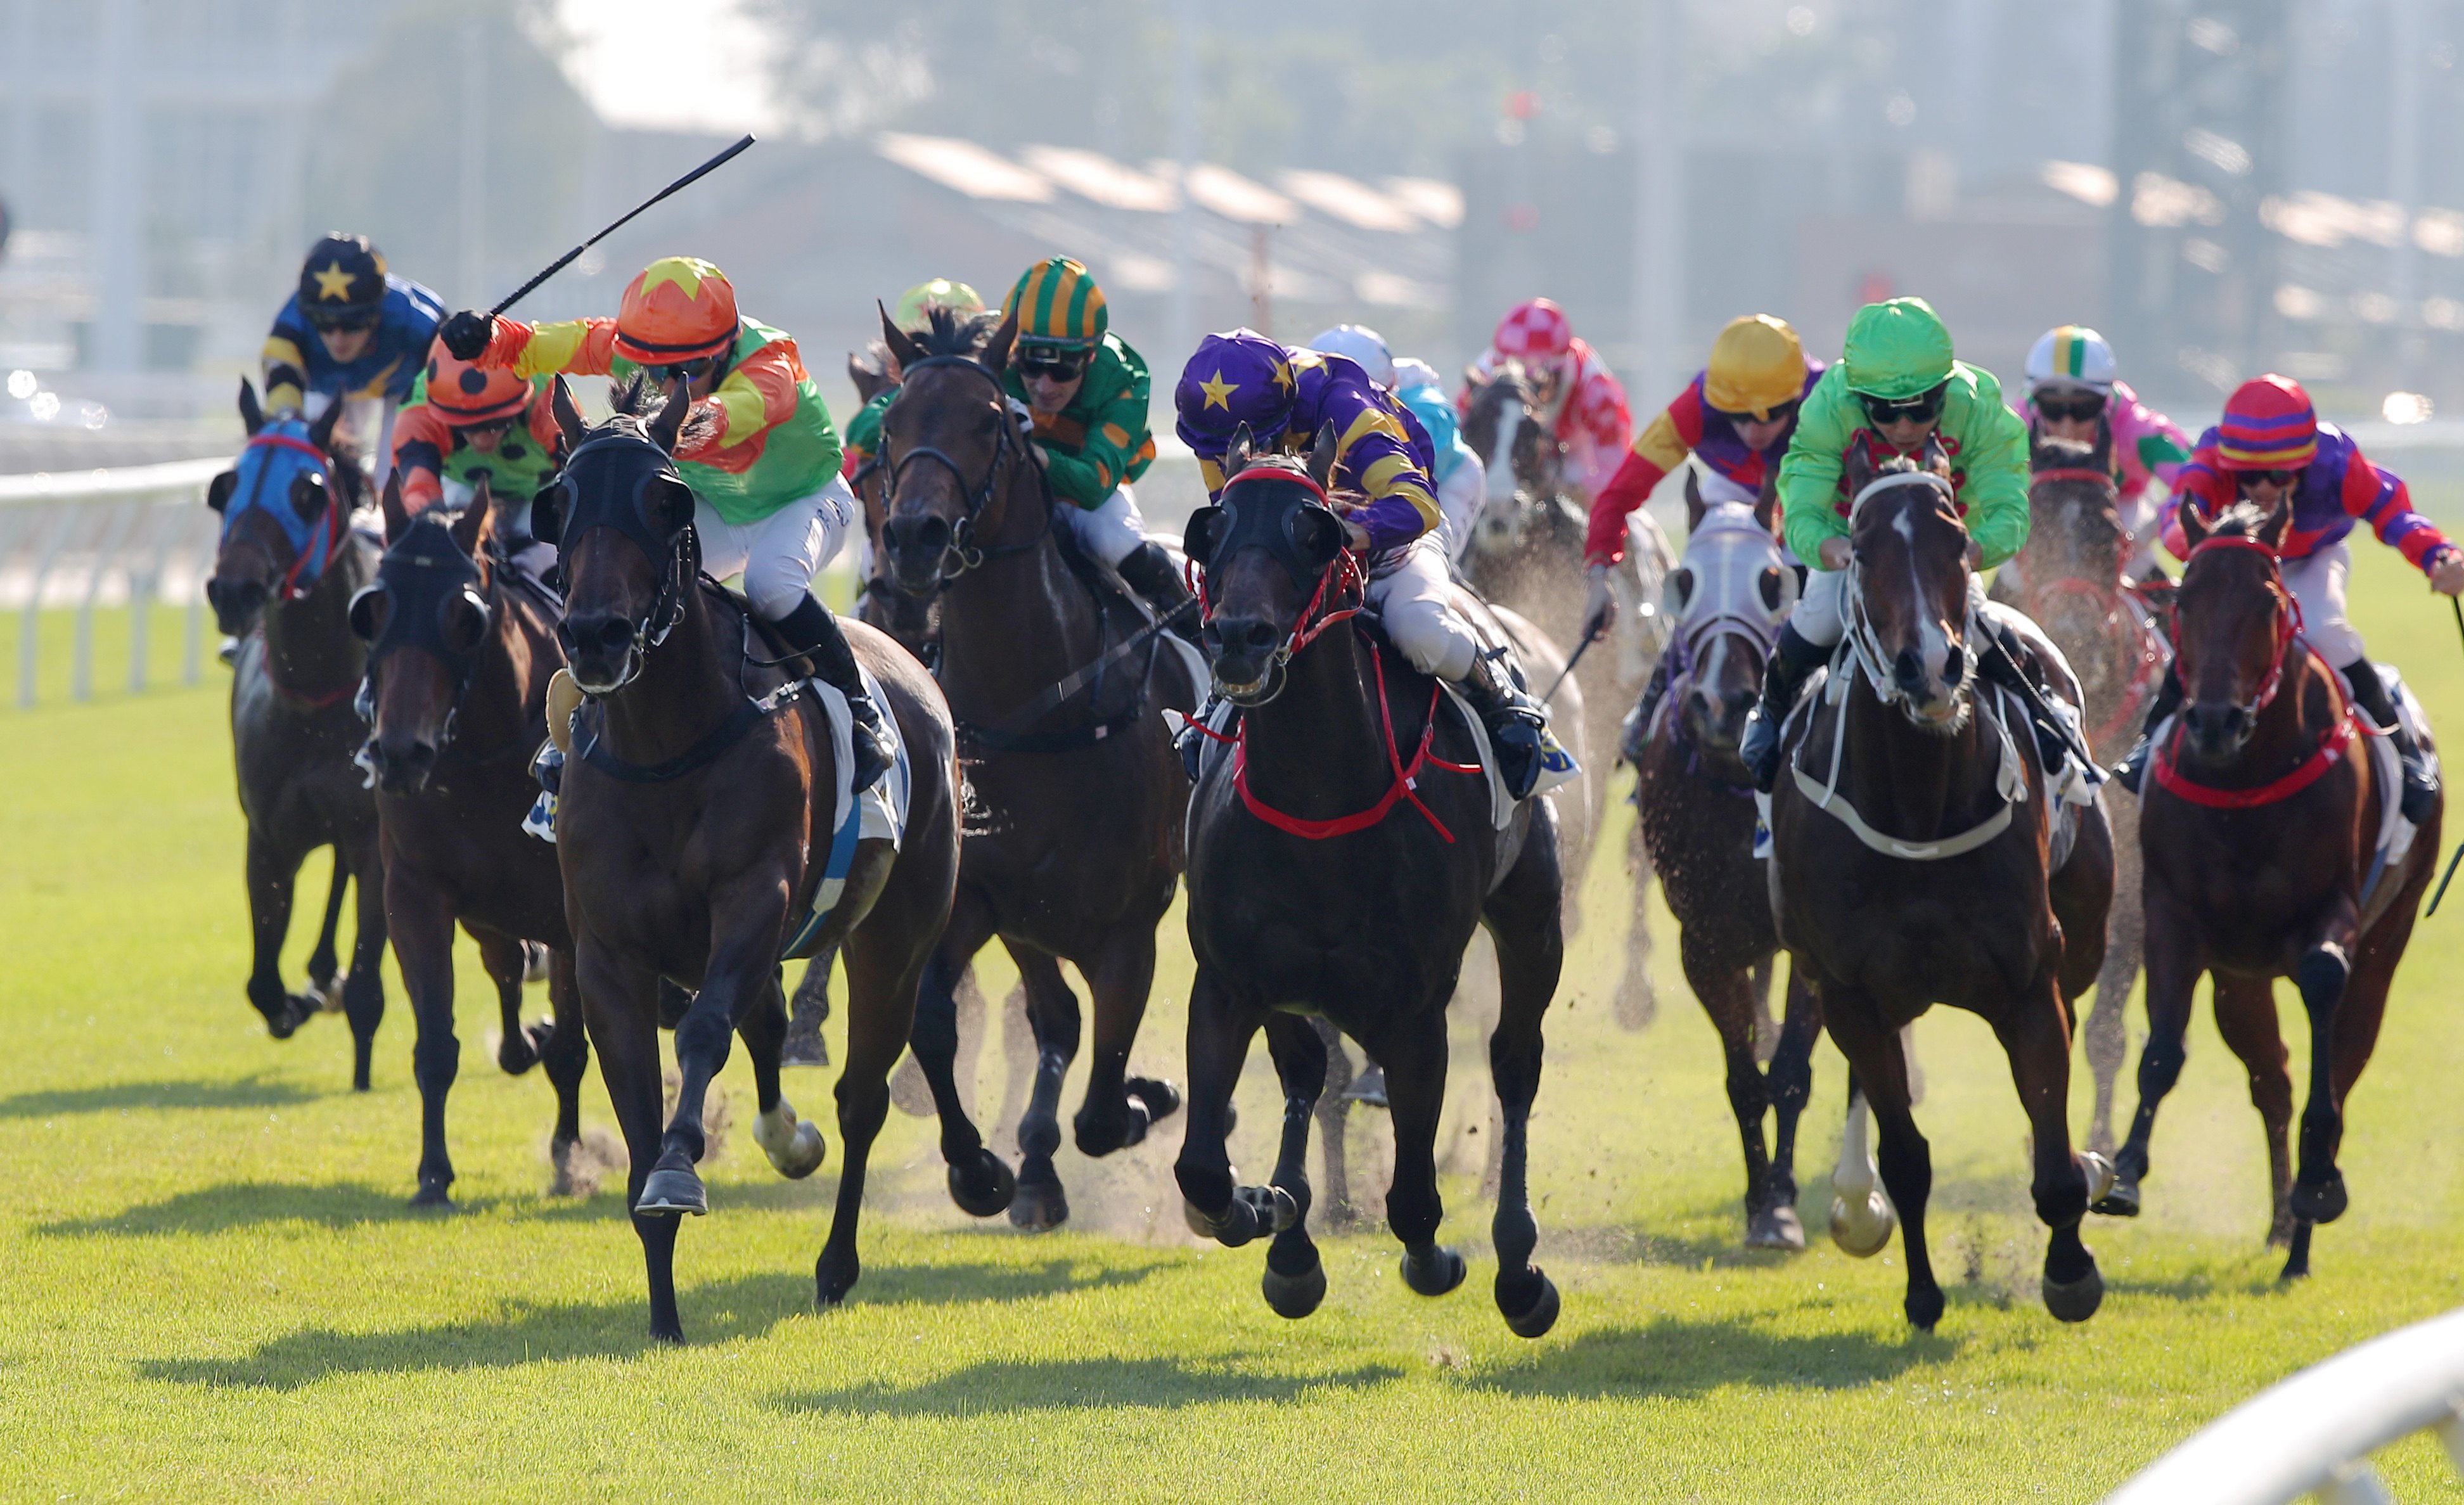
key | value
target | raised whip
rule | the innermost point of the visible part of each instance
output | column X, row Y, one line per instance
column 566, row 260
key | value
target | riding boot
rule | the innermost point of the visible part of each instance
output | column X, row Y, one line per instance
column 1792, row 658
column 1514, row 721
column 1638, row 722
column 1150, row 572
column 2420, row 775
column 2018, row 671
column 2134, row 766
column 1191, row 743
column 813, row 632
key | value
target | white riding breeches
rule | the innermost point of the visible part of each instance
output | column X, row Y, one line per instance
column 779, row 554
column 1460, row 496
column 1821, row 617
column 1111, row 533
column 2317, row 580
column 1409, row 588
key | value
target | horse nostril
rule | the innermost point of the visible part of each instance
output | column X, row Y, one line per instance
column 614, row 635
column 1258, row 637
column 916, row 535
column 1908, row 669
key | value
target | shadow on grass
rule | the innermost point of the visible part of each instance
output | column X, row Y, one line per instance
column 1670, row 1356
column 256, row 1203
column 248, row 1092
column 1069, row 1385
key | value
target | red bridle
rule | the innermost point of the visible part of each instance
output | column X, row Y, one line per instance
column 2288, row 617
column 1343, row 574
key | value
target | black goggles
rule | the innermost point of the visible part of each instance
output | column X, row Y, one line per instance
column 342, row 321
column 2075, row 407
column 682, row 370
column 1924, row 407
column 1781, row 414
column 2278, row 478
column 1050, row 363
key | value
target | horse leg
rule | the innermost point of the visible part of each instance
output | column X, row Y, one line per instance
column 1861, row 1218
column 564, row 1055
column 1413, row 1052
column 740, row 980
column 363, row 986
column 620, row 1008
column 1724, row 991
column 2245, row 1017
column 1637, row 1004
column 882, row 975
column 1220, row 1028
column 1295, row 1280
column 273, row 874
column 2035, row 1037
column 805, row 1014
column 2108, row 1027
column 1523, row 920
column 1789, row 1080
column 1332, row 1152
column 2321, row 975
column 1873, row 1049
column 1766, row 1028
column 793, row 1143
column 506, row 962
column 1053, row 1010
column 981, row 1183
column 423, row 948
column 322, row 984
column 2174, row 962
column 1119, row 1108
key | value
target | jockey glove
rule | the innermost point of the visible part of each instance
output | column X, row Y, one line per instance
column 467, row 333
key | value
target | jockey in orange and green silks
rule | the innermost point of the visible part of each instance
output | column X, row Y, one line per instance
column 764, row 471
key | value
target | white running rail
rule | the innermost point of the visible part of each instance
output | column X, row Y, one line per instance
column 2313, row 1433
column 86, row 539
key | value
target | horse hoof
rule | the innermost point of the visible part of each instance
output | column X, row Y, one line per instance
column 519, row 1052
column 794, row 1145
column 1862, row 1232
column 1294, row 1297
column 533, row 962
column 1040, row 1204
column 1924, row 1309
column 2100, row 1174
column 1435, row 1275
column 1161, row 1097
column 2320, row 1201
column 669, row 1193
column 2120, row 1200
column 830, row 1287
column 293, row 1011
column 1539, row 1312
column 983, row 1185
column 1774, row 1228
column 1369, row 1088
column 434, row 1193
column 2075, row 1300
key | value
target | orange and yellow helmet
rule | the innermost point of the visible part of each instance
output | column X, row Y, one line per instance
column 467, row 395
column 680, row 308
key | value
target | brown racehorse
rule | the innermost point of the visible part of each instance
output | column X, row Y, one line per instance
column 2069, row 582
column 1913, row 863
column 1728, row 596
column 1073, row 846
column 694, row 809
column 462, row 646
column 2260, row 829
column 289, row 563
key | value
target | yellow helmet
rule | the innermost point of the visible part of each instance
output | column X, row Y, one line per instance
column 1756, row 366
column 914, row 305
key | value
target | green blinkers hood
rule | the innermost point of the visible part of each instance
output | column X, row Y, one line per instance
column 1897, row 350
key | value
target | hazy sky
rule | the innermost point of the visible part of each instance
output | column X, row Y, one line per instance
column 639, row 67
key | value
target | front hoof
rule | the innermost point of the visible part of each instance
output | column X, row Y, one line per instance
column 520, row 1050
column 983, row 1185
column 1861, row 1231
column 1369, row 1088
column 1041, row 1205
column 1161, row 1097
column 794, row 1145
column 1294, row 1297
column 290, row 1012
column 1924, row 1308
column 1775, row 1228
column 1538, row 1312
column 434, row 1191
column 2320, row 1201
column 2075, row 1300
column 832, row 1284
column 1436, row 1274
column 2122, row 1200
column 671, row 1192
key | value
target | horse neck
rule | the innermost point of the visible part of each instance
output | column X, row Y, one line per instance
column 2282, row 732
column 509, row 684
column 309, row 647
column 1318, row 750
column 1912, row 783
column 1016, row 623
column 684, row 689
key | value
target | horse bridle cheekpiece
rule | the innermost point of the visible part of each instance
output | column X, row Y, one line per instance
column 1296, row 539
column 2288, row 614
column 1862, row 640
column 565, row 510
column 424, row 566
column 277, row 451
column 964, row 553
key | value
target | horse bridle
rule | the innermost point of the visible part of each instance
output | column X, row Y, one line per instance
column 2287, row 614
column 1007, row 449
column 421, row 630
column 681, row 553
column 1861, row 639
column 1343, row 576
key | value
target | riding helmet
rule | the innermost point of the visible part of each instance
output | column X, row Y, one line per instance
column 913, row 313
column 680, row 308
column 2071, row 355
column 1058, row 307
column 467, row 395
column 1757, row 365
column 2269, row 425
column 1534, row 331
column 1366, row 347
column 1897, row 350
column 342, row 280
column 1241, row 378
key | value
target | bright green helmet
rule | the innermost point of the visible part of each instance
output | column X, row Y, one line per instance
column 1897, row 350
column 914, row 305
column 1059, row 308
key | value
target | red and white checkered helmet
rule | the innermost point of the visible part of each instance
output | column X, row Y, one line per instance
column 1534, row 331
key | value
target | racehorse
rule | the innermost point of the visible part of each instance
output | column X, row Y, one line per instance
column 2069, row 582
column 461, row 646
column 288, row 565
column 697, row 805
column 1728, row 596
column 1525, row 552
column 1921, row 860
column 2268, row 856
column 1076, row 796
column 1327, row 875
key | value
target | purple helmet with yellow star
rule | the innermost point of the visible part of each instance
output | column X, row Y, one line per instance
column 1235, row 379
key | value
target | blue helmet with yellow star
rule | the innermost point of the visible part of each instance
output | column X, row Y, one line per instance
column 343, row 282
column 1235, row 379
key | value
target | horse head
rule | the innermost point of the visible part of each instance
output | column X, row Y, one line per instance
column 1909, row 586
column 620, row 517
column 1727, row 597
column 2075, row 530
column 286, row 508
column 1522, row 460
column 2233, row 620
column 426, row 621
column 1269, row 543
column 953, row 450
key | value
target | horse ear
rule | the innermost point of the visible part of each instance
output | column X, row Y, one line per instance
column 468, row 524
column 321, row 432
column 1322, row 456
column 1767, row 498
column 397, row 517
column 671, row 420
column 2271, row 533
column 903, row 352
column 1857, row 466
column 995, row 351
column 2194, row 523
column 869, row 381
column 1237, row 452
column 1474, row 379
column 1937, row 459
column 218, row 491
column 568, row 417
column 251, row 416
column 1694, row 504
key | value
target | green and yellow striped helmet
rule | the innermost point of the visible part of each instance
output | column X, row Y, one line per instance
column 1058, row 305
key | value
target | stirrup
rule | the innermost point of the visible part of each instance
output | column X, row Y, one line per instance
column 869, row 742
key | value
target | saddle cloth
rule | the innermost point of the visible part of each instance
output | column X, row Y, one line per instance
column 880, row 814
column 2395, row 832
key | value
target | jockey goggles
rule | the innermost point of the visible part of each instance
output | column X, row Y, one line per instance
column 1924, row 407
column 1779, row 413
column 329, row 321
column 1051, row 362
column 683, row 370
column 2278, row 478
column 2070, row 407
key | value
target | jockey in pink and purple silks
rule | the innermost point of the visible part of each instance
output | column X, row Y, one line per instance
column 2073, row 394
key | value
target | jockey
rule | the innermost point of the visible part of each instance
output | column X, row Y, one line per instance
column 1736, row 416
column 465, row 423
column 352, row 330
column 1461, row 480
column 767, row 497
column 2073, row 394
column 1584, row 403
column 1087, row 392
column 1282, row 397
column 2273, row 445
column 1896, row 385
column 913, row 314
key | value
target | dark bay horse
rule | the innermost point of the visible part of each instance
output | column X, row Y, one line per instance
column 2262, row 832
column 461, row 647
column 1076, row 796
column 1728, row 596
column 2069, row 582
column 1916, row 861
column 695, row 809
column 1328, row 877
column 284, row 575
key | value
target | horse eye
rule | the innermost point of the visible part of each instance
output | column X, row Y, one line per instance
column 1771, row 584
column 1680, row 587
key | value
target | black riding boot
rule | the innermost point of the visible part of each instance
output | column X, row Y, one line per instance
column 1792, row 658
column 2134, row 766
column 2013, row 668
column 1150, row 572
column 1513, row 718
column 1193, row 737
column 2420, row 779
column 812, row 631
column 1637, row 721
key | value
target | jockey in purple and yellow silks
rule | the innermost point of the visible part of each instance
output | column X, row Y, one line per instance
column 1283, row 397
column 2073, row 393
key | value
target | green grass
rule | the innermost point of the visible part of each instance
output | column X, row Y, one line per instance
column 211, row 1287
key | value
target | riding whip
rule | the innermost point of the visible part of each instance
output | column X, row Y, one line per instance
column 1580, row 649
column 566, row 260
column 2450, row 876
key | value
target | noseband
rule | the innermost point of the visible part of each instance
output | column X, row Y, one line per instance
column 1864, row 640
column 2287, row 614
column 963, row 554
column 678, row 557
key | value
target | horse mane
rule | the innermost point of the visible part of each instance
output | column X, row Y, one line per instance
column 2240, row 520
column 638, row 399
column 952, row 332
